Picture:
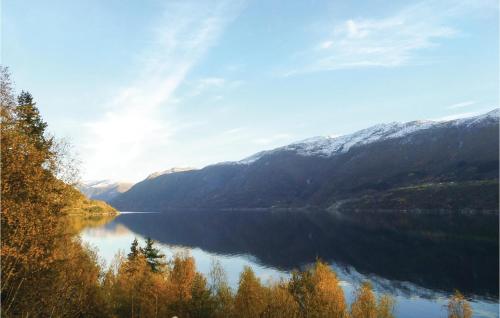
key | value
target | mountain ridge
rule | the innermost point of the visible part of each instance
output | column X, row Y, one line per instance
column 322, row 172
column 330, row 145
column 104, row 190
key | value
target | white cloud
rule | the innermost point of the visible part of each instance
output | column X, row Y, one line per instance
column 390, row 41
column 120, row 143
column 462, row 104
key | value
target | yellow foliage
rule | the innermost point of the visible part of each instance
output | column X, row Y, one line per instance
column 458, row 307
column 250, row 299
column 280, row 303
column 81, row 206
column 364, row 305
column 385, row 308
column 318, row 293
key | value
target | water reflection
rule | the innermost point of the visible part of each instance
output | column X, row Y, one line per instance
column 424, row 256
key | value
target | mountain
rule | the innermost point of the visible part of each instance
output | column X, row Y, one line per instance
column 414, row 165
column 168, row 171
column 104, row 190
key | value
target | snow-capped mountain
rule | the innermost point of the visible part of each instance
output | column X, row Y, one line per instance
column 329, row 146
column 104, row 190
column 414, row 165
column 168, row 171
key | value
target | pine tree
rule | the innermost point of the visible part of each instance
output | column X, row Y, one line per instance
column 153, row 255
column 201, row 304
column 31, row 122
column 134, row 251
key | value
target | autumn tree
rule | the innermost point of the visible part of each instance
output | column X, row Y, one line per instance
column 182, row 273
column 222, row 293
column 280, row 302
column 31, row 203
column 39, row 258
column 458, row 306
column 385, row 307
column 364, row 304
column 250, row 299
column 317, row 292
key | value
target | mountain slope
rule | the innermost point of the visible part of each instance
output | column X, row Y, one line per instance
column 373, row 164
column 104, row 190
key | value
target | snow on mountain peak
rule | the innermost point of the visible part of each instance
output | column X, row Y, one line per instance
column 168, row 171
column 328, row 146
column 490, row 116
column 98, row 183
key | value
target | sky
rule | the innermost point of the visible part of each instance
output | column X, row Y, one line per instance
column 144, row 86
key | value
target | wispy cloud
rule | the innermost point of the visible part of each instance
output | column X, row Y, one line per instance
column 458, row 116
column 134, row 125
column 462, row 104
column 391, row 41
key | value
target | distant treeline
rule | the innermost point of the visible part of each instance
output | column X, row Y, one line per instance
column 46, row 272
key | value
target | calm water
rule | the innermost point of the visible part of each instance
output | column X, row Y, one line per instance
column 419, row 259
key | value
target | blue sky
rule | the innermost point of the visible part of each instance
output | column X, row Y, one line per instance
column 142, row 86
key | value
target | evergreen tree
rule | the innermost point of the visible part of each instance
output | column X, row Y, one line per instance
column 31, row 122
column 134, row 250
column 153, row 255
column 201, row 304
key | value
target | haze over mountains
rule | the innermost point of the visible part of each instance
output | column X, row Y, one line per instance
column 414, row 165
column 104, row 190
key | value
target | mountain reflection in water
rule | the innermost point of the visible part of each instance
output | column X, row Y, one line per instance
column 441, row 251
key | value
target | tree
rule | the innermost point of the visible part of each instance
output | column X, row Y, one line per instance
column 44, row 271
column 219, row 287
column 458, row 307
column 153, row 255
column 318, row 293
column 201, row 304
column 385, row 307
column 280, row 303
column 181, row 277
column 250, row 299
column 134, row 250
column 31, row 122
column 364, row 305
